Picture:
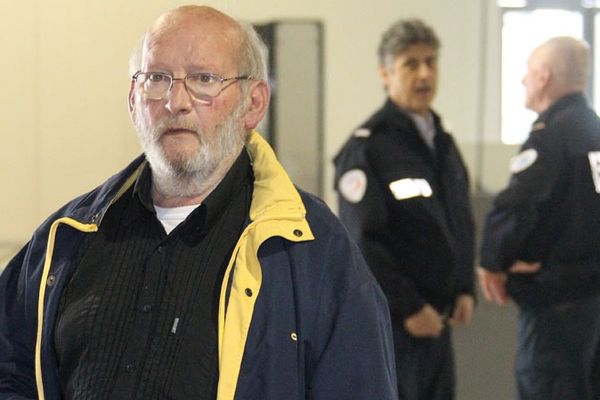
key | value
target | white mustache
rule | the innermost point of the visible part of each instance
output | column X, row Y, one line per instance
column 172, row 124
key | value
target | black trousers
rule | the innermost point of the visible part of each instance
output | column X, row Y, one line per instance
column 425, row 367
column 558, row 352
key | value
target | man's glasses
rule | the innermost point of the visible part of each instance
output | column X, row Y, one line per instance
column 202, row 85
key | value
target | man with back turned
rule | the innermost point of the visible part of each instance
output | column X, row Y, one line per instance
column 540, row 242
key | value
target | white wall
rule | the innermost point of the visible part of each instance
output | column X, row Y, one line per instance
column 64, row 113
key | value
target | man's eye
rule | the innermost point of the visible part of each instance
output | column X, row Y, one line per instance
column 431, row 62
column 412, row 65
column 157, row 77
column 204, row 78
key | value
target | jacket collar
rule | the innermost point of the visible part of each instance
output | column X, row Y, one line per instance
column 274, row 195
column 562, row 103
column 404, row 123
column 91, row 207
column 402, row 117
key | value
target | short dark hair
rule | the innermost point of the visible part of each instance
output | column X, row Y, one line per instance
column 402, row 34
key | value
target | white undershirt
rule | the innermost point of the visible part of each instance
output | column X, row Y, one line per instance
column 426, row 128
column 173, row 216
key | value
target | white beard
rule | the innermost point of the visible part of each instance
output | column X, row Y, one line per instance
column 187, row 176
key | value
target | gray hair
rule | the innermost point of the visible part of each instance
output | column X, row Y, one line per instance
column 252, row 58
column 402, row 34
column 253, row 61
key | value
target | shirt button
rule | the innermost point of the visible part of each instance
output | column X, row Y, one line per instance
column 130, row 367
column 51, row 280
column 147, row 308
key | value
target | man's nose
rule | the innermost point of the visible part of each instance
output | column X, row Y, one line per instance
column 179, row 101
column 424, row 70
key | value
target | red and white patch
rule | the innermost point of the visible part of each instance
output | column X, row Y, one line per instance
column 353, row 185
column 523, row 160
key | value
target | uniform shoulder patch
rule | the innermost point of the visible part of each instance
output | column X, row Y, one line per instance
column 353, row 185
column 523, row 160
column 594, row 157
column 362, row 132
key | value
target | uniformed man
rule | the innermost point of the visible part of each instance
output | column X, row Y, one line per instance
column 541, row 244
column 404, row 196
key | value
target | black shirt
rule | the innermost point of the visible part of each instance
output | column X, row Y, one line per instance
column 138, row 318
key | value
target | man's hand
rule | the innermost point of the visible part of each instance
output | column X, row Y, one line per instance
column 493, row 285
column 427, row 322
column 463, row 310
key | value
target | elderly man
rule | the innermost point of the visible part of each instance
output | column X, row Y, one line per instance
column 199, row 271
column 404, row 196
column 541, row 244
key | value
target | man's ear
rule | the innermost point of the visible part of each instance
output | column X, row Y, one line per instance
column 260, row 94
column 384, row 72
column 131, row 98
column 131, row 101
column 544, row 76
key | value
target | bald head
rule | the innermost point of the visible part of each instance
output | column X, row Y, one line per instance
column 556, row 68
column 215, row 24
column 568, row 60
column 203, row 14
column 246, row 48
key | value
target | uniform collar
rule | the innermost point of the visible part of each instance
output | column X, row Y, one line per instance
column 569, row 100
column 404, row 121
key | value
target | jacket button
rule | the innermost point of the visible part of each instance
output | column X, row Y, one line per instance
column 248, row 292
column 130, row 367
column 294, row 336
column 298, row 232
column 51, row 280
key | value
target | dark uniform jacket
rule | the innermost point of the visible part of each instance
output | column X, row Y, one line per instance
column 550, row 211
column 409, row 211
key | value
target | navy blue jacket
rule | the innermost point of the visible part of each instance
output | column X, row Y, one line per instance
column 300, row 317
column 550, row 211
